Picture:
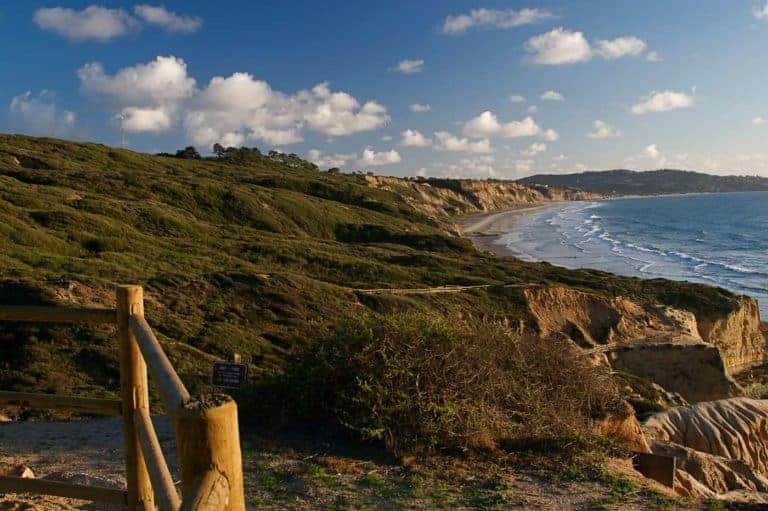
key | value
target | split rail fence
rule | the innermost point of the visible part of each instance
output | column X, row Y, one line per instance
column 206, row 427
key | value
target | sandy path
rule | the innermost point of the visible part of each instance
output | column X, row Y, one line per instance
column 76, row 450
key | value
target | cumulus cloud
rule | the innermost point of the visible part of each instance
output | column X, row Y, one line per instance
column 562, row 46
column 102, row 24
column 663, row 101
column 371, row 158
column 159, row 15
column 445, row 141
column 761, row 12
column 39, row 115
column 603, row 130
column 328, row 160
column 414, row 138
column 477, row 167
column 420, row 108
column 94, row 22
column 549, row 135
column 492, row 18
column 146, row 95
column 552, row 95
column 757, row 121
column 487, row 125
column 516, row 98
column 532, row 109
column 233, row 109
column 558, row 46
column 619, row 47
column 409, row 67
column 652, row 56
column 534, row 149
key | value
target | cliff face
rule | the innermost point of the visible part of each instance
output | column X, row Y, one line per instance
column 667, row 346
column 720, row 446
column 442, row 198
column 738, row 336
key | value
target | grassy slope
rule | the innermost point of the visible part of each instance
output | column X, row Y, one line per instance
column 253, row 257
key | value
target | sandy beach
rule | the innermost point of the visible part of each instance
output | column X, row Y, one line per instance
column 485, row 228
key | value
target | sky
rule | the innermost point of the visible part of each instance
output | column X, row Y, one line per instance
column 447, row 89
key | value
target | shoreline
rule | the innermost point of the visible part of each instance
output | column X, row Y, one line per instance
column 484, row 229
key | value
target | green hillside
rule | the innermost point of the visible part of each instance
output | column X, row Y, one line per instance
column 628, row 182
column 256, row 254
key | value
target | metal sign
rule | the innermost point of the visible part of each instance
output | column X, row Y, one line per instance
column 229, row 375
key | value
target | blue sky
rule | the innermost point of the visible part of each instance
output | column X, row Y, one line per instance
column 603, row 84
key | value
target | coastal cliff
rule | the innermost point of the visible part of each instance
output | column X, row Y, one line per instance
column 444, row 198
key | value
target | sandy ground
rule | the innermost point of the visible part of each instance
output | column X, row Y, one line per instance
column 484, row 229
column 82, row 451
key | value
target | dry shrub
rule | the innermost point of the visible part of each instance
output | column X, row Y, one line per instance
column 422, row 383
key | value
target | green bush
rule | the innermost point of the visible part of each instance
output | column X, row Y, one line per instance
column 422, row 383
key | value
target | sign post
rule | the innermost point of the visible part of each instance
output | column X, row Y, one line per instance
column 229, row 375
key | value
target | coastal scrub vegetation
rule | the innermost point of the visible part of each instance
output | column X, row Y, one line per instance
column 421, row 383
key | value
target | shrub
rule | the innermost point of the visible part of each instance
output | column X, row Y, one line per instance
column 421, row 383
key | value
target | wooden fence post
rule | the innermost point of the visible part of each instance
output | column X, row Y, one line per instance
column 135, row 395
column 208, row 441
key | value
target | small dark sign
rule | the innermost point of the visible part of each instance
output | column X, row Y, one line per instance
column 229, row 375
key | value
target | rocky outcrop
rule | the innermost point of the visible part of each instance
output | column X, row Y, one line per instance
column 738, row 336
column 695, row 371
column 664, row 345
column 720, row 446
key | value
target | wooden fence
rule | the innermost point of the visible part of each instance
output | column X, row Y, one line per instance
column 207, row 436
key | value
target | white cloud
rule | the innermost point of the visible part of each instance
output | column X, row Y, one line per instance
column 532, row 109
column 562, row 46
column 147, row 95
column 603, row 130
column 663, row 101
column 560, row 157
column 761, row 12
column 163, row 80
column 516, row 98
column 652, row 56
column 652, row 151
column 757, row 121
column 94, row 22
column 552, row 95
column 550, row 135
column 152, row 96
column 39, row 115
column 420, row 108
column 371, row 158
column 159, row 15
column 445, row 141
column 135, row 119
column 414, row 138
column 534, row 149
column 422, row 172
column 523, row 166
column 486, row 125
column 476, row 167
column 492, row 18
column 558, row 46
column 102, row 24
column 328, row 160
column 410, row 66
column 619, row 47
column 386, row 138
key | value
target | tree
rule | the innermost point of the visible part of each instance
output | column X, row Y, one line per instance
column 188, row 153
column 219, row 150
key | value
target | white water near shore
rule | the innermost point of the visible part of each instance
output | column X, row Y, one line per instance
column 717, row 239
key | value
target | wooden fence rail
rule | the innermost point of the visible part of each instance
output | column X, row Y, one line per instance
column 207, row 434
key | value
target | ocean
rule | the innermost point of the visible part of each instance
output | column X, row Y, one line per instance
column 717, row 239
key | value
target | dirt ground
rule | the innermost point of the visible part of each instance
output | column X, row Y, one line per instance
column 314, row 473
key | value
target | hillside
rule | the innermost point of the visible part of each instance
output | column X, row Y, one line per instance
column 247, row 255
column 666, row 181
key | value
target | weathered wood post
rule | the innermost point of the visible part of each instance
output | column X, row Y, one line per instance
column 208, row 442
column 135, row 396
